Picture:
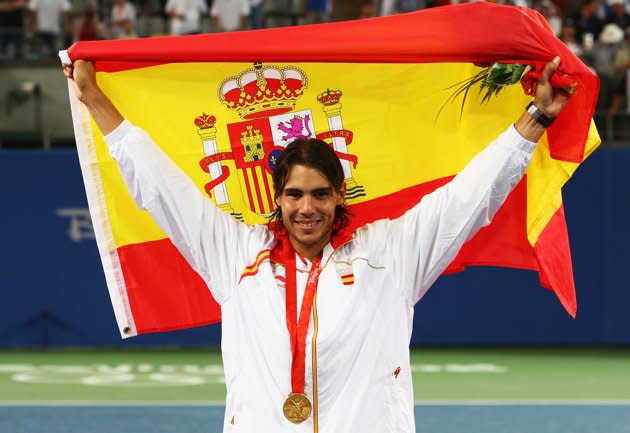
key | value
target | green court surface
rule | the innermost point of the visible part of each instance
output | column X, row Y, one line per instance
column 441, row 375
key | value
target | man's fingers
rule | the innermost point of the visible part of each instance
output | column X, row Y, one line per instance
column 563, row 97
column 550, row 68
column 84, row 68
column 67, row 71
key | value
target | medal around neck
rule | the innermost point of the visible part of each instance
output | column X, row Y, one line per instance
column 297, row 407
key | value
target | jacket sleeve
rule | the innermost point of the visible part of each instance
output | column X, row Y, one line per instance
column 424, row 241
column 213, row 243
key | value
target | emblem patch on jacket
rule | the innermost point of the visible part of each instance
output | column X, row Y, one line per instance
column 253, row 268
column 345, row 272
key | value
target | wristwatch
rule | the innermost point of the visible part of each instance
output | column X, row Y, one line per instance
column 539, row 116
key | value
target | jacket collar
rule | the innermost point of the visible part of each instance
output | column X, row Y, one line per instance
column 283, row 249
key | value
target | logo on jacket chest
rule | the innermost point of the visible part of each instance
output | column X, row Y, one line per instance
column 345, row 272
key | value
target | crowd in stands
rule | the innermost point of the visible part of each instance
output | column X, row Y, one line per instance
column 598, row 31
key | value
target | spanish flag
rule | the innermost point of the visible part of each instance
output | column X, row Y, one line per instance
column 378, row 90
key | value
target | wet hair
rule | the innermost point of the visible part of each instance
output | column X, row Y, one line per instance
column 315, row 154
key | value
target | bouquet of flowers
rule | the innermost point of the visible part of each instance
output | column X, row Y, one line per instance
column 492, row 80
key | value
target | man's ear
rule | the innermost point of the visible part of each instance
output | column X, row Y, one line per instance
column 342, row 195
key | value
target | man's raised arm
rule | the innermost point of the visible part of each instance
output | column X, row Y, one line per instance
column 215, row 245
column 428, row 237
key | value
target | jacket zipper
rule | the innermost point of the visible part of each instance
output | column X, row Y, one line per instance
column 314, row 349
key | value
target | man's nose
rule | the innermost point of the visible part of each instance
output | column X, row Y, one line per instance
column 306, row 204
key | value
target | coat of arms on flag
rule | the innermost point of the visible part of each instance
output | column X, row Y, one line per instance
column 265, row 97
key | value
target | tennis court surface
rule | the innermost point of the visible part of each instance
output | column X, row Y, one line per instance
column 487, row 390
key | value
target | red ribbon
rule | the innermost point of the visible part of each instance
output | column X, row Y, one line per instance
column 225, row 170
column 298, row 327
column 344, row 133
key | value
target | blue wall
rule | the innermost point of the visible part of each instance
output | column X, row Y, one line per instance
column 54, row 290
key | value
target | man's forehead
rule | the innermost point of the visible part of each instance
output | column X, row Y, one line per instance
column 306, row 178
column 316, row 188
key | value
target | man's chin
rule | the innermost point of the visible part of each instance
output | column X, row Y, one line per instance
column 308, row 239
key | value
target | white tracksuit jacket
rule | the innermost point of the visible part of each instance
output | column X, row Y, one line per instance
column 359, row 333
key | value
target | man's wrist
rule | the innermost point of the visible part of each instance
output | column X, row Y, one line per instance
column 539, row 115
column 529, row 128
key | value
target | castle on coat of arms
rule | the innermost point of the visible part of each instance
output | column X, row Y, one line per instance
column 265, row 98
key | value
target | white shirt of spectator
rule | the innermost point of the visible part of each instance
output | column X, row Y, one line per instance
column 125, row 11
column 48, row 14
column 229, row 12
column 192, row 10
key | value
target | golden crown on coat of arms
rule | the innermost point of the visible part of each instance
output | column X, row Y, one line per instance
column 205, row 121
column 329, row 97
column 263, row 91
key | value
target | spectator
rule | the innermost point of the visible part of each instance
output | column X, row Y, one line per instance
column 604, row 53
column 390, row 7
column 587, row 22
column 11, row 27
column 618, row 14
column 622, row 58
column 567, row 35
column 88, row 27
column 317, row 11
column 185, row 15
column 123, row 20
column 229, row 15
column 403, row 6
column 622, row 67
column 606, row 48
column 44, row 18
column 367, row 9
column 521, row 3
column 550, row 11
column 256, row 14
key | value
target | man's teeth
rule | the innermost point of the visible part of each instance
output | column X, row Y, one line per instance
column 307, row 223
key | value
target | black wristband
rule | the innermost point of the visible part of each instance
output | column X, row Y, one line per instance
column 539, row 116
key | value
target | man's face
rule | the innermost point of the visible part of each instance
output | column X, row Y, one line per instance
column 308, row 203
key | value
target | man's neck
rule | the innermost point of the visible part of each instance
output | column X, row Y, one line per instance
column 309, row 252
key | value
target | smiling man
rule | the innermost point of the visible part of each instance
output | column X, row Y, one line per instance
column 317, row 320
column 309, row 191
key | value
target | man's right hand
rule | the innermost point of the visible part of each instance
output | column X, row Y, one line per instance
column 83, row 76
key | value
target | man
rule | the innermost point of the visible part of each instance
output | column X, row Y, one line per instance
column 229, row 15
column 185, row 16
column 123, row 20
column 621, row 66
column 618, row 13
column 43, row 21
column 11, row 28
column 317, row 11
column 587, row 22
column 316, row 320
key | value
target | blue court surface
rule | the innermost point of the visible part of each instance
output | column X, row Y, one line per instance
column 431, row 418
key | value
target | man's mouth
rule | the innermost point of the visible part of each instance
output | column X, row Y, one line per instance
column 307, row 225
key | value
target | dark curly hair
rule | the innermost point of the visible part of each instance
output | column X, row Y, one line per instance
column 316, row 154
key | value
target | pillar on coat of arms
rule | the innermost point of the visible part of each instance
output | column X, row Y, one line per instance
column 331, row 105
column 208, row 134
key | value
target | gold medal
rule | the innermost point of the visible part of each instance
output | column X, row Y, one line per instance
column 297, row 408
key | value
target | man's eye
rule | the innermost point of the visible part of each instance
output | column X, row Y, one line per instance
column 321, row 194
column 293, row 194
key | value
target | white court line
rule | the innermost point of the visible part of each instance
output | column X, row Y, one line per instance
column 121, row 403
column 507, row 402
column 213, row 403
